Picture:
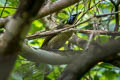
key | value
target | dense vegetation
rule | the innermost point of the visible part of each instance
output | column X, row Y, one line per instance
column 90, row 45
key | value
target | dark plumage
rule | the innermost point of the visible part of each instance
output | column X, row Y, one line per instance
column 71, row 19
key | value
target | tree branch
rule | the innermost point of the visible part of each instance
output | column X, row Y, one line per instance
column 48, row 33
column 16, row 30
column 48, row 57
column 56, row 6
column 87, row 60
column 56, row 57
column 10, row 7
column 48, row 9
column 81, row 43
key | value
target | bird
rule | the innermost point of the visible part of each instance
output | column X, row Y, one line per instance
column 72, row 19
column 56, row 41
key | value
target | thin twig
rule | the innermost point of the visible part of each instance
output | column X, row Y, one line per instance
column 47, row 33
column 116, row 6
column 104, row 15
column 9, row 7
column 89, row 41
column 87, row 11
column 3, row 8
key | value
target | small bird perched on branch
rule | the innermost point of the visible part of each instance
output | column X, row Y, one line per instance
column 72, row 19
column 57, row 40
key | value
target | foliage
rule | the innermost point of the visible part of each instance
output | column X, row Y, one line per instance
column 26, row 70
